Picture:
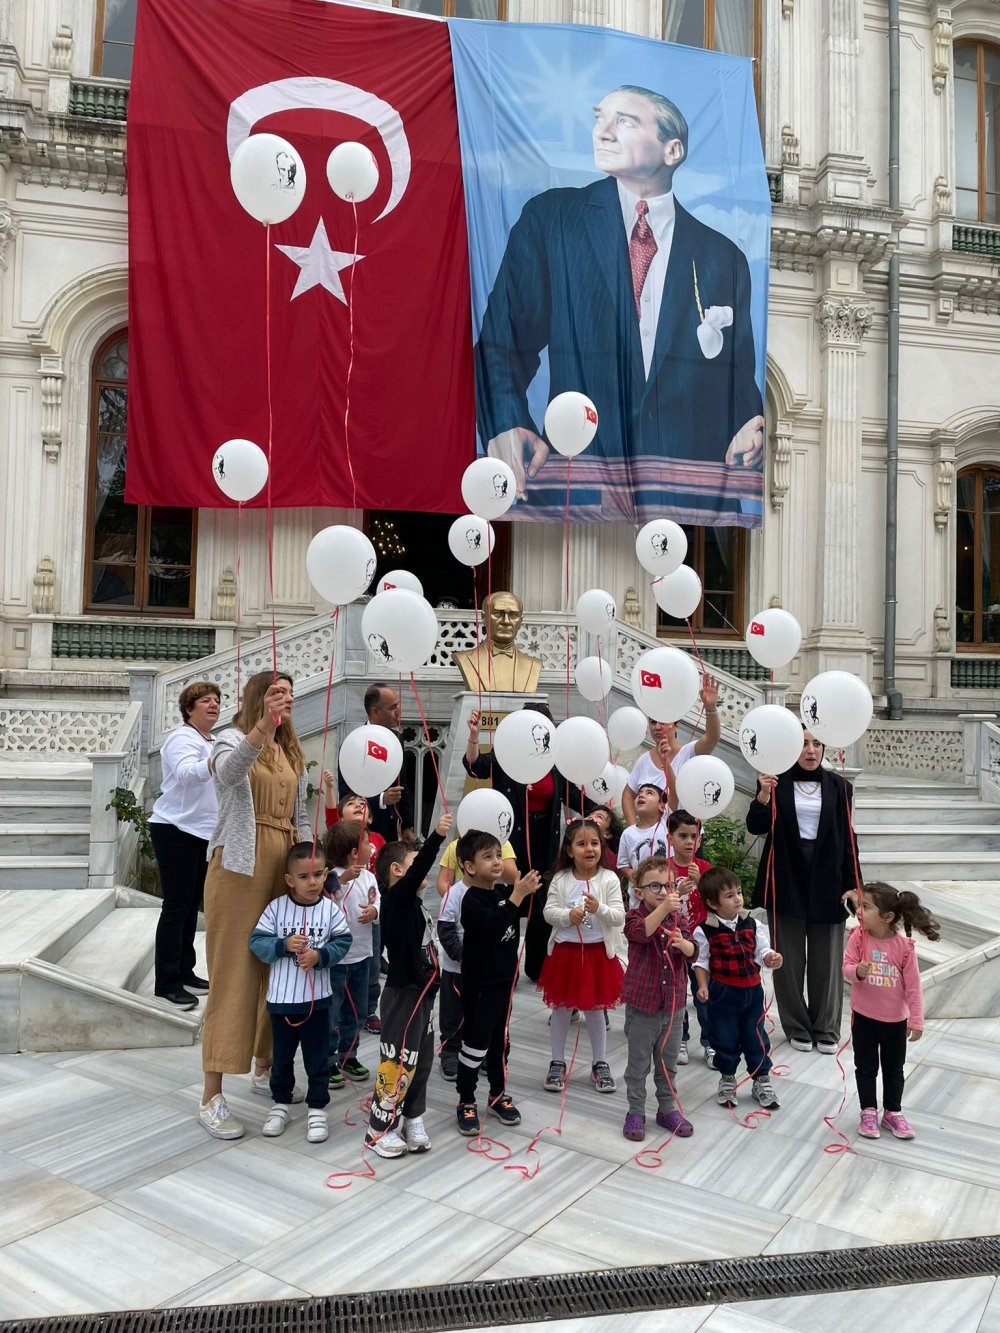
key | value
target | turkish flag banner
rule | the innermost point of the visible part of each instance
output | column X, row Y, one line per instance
column 207, row 73
column 650, row 679
column 376, row 751
column 756, row 628
column 591, row 415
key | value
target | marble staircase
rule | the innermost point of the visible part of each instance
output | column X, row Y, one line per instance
column 76, row 973
column 921, row 830
column 44, row 824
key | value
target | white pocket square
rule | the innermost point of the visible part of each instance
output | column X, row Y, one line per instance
column 717, row 318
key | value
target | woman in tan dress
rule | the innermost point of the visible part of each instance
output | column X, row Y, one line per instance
column 259, row 773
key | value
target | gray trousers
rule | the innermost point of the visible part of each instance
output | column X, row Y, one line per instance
column 655, row 1037
column 809, row 985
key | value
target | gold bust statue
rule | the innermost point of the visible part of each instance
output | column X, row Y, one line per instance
column 495, row 664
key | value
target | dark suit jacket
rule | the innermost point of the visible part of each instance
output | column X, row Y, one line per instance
column 565, row 284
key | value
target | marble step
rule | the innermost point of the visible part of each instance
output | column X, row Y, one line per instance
column 147, row 982
column 44, row 840
column 893, row 864
column 118, row 951
column 37, row 923
column 929, row 811
column 935, row 841
column 24, row 777
column 43, row 872
column 62, row 808
column 875, row 784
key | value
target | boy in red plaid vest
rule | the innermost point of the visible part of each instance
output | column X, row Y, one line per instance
column 732, row 946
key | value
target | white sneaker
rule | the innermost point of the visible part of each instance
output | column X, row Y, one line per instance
column 389, row 1144
column 800, row 1044
column 277, row 1119
column 709, row 1053
column 827, row 1047
column 261, row 1084
column 682, row 1054
column 217, row 1118
column 317, row 1130
column 414, row 1134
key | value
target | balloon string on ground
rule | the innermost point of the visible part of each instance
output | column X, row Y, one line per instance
column 270, row 446
column 350, row 361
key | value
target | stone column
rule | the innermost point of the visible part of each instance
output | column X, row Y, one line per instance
column 839, row 639
column 843, row 173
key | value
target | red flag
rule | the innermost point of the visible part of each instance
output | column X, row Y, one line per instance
column 651, row 679
column 387, row 587
column 591, row 415
column 376, row 751
column 318, row 75
column 756, row 627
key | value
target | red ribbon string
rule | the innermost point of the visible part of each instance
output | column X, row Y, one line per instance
column 239, row 515
column 270, row 445
column 350, row 361
column 567, row 543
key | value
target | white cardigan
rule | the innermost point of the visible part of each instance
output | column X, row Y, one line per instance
column 610, row 915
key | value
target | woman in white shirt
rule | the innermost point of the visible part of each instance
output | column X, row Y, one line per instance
column 180, row 826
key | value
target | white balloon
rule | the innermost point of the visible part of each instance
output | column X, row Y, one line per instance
column 773, row 638
column 523, row 745
column 352, row 171
column 626, row 728
column 399, row 578
column 620, row 782
column 602, row 788
column 268, row 177
column 705, row 786
column 596, row 611
column 489, row 487
column 594, row 678
column 836, row 708
column 239, row 469
column 770, row 738
column 340, row 563
column 486, row 811
column 678, row 593
column 660, row 546
column 582, row 749
column 370, row 759
column 470, row 540
column 570, row 423
column 665, row 684
column 400, row 629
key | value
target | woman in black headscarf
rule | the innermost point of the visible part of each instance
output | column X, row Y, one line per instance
column 807, row 877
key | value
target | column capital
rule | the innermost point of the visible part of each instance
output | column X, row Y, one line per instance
column 844, row 319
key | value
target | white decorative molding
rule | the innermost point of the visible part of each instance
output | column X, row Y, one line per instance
column 225, row 595
column 632, row 608
column 942, row 630
column 781, row 463
column 942, row 51
column 944, row 487
column 913, row 751
column 844, row 319
column 942, row 197
column 61, row 53
column 787, row 8
column 789, row 147
column 43, row 587
column 52, row 395
column 54, row 731
column 8, row 231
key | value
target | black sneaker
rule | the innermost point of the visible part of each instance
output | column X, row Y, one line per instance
column 336, row 1078
column 504, row 1110
column 179, row 996
column 196, row 983
column 468, row 1119
column 354, row 1070
column 449, row 1066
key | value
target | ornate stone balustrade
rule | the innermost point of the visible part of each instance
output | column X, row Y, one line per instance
column 114, row 846
column 918, row 750
column 43, row 730
column 97, row 100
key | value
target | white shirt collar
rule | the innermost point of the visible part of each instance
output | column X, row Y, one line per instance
column 660, row 216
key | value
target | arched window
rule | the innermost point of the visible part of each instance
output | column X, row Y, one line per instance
column 732, row 26
column 718, row 556
column 114, row 38
column 977, row 559
column 139, row 558
column 977, row 121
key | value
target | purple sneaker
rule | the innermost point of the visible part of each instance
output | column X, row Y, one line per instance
column 675, row 1123
column 897, row 1124
column 868, row 1124
column 635, row 1127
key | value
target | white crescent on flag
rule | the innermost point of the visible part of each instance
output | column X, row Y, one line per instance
column 325, row 95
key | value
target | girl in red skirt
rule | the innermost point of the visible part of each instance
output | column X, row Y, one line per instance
column 582, row 971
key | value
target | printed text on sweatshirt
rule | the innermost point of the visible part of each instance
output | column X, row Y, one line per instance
column 291, row 987
column 891, row 991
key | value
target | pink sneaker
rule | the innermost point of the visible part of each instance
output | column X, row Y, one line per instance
column 898, row 1124
column 868, row 1127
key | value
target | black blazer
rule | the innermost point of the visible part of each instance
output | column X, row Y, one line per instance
column 565, row 794
column 815, row 898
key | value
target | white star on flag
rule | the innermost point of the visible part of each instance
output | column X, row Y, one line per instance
column 319, row 266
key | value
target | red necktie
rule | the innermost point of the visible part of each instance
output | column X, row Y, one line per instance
column 641, row 249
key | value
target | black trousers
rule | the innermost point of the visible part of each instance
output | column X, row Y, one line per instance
column 484, row 1039
column 536, row 934
column 180, row 858
column 450, row 1012
column 875, row 1042
column 403, row 1065
column 289, row 1033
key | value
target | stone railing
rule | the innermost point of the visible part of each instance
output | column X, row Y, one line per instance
column 944, row 751
column 114, row 845
column 96, row 99
column 35, row 729
column 989, row 761
column 125, row 641
column 976, row 240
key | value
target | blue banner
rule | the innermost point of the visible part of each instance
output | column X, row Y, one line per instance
column 619, row 228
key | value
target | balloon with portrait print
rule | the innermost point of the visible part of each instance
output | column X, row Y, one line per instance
column 485, row 811
column 489, row 487
column 239, row 469
column 836, row 707
column 340, row 562
column 665, row 684
column 523, row 745
column 400, row 629
column 608, row 786
column 773, row 637
column 371, row 759
column 596, row 611
column 660, row 546
column 770, row 738
column 626, row 728
column 352, row 172
column 268, row 177
column 679, row 593
column 594, row 678
column 399, row 578
column 582, row 749
column 570, row 423
column 470, row 540
column 705, row 786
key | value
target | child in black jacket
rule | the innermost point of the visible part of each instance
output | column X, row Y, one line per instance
column 406, row 1045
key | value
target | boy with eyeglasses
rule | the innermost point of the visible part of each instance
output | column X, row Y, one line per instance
column 655, row 995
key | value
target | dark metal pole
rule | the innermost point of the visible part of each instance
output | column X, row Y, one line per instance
column 893, row 696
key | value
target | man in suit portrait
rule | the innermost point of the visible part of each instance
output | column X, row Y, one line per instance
column 641, row 307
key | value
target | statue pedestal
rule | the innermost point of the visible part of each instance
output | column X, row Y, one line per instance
column 495, row 707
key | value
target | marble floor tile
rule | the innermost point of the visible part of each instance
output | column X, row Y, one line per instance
column 145, row 1072
column 741, row 1319
column 19, row 1069
column 33, row 1199
column 799, row 1237
column 99, row 1260
column 963, row 1054
column 54, row 1101
column 236, row 1285
column 534, row 1258
column 955, row 1307
column 990, row 1322
column 981, row 1029
column 957, row 1149
column 652, row 1321
column 345, row 1250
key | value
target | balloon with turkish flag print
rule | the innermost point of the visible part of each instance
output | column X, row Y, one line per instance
column 773, row 637
column 665, row 684
column 371, row 759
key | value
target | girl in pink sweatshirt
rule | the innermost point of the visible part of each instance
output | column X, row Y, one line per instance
column 886, row 1002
